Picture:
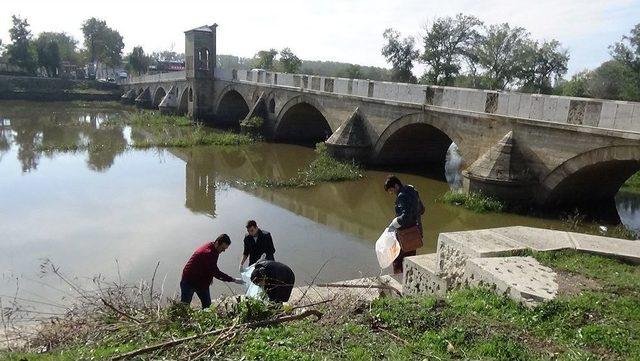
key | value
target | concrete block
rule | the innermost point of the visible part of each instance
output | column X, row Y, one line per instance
column 549, row 110
column 537, row 239
column 537, row 107
column 607, row 246
column 462, row 100
column 635, row 119
column 525, row 106
column 624, row 114
column 608, row 114
column 592, row 112
column 341, row 86
column 386, row 90
column 522, row 279
column 514, row 104
column 503, row 104
column 454, row 248
column 562, row 111
column 421, row 276
column 361, row 87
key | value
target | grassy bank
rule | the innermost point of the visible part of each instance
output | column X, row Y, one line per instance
column 596, row 318
column 476, row 202
column 632, row 184
column 323, row 168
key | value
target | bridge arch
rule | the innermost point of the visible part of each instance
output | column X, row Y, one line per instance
column 416, row 138
column 183, row 102
column 302, row 120
column 231, row 108
column 158, row 95
column 591, row 179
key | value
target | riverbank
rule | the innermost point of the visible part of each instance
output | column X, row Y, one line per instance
column 55, row 89
column 595, row 319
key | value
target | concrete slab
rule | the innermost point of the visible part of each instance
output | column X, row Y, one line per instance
column 522, row 279
column 537, row 239
column 607, row 246
column 421, row 276
column 311, row 294
column 454, row 248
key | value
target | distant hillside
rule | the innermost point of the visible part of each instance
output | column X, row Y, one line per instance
column 314, row 67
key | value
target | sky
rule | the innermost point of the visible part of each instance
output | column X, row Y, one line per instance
column 344, row 30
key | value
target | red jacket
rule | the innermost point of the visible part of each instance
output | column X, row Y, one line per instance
column 202, row 267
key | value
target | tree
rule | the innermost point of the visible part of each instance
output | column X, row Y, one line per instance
column 138, row 61
column 265, row 59
column 48, row 57
column 67, row 45
column 401, row 54
column 167, row 55
column 94, row 31
column 289, row 61
column 113, row 46
column 542, row 65
column 354, row 71
column 627, row 52
column 500, row 53
column 103, row 43
column 21, row 51
column 577, row 86
column 446, row 43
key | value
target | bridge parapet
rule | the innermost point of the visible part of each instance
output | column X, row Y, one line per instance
column 157, row 78
column 608, row 114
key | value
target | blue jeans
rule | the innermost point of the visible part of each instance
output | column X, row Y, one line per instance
column 186, row 294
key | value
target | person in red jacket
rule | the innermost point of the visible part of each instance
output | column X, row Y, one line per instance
column 200, row 270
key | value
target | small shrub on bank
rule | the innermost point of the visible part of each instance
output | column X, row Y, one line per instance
column 153, row 118
column 473, row 201
column 253, row 126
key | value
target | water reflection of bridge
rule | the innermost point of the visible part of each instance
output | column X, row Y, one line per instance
column 356, row 208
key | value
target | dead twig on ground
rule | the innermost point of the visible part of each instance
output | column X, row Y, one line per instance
column 121, row 313
column 256, row 324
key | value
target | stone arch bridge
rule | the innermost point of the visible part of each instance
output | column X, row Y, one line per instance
column 544, row 150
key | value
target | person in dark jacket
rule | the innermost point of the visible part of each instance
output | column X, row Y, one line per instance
column 200, row 270
column 275, row 278
column 257, row 242
column 408, row 208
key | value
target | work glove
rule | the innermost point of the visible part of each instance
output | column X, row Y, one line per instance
column 238, row 281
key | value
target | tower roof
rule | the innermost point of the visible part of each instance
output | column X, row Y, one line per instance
column 204, row 28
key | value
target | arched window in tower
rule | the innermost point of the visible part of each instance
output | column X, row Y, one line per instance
column 203, row 59
column 190, row 95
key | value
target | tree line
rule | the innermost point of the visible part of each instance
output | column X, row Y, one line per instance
column 463, row 51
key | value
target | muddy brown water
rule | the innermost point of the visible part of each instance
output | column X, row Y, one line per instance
column 115, row 211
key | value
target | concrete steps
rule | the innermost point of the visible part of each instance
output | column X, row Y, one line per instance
column 489, row 257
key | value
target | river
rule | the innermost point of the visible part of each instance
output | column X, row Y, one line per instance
column 116, row 212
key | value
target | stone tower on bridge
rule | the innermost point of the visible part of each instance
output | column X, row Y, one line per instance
column 200, row 63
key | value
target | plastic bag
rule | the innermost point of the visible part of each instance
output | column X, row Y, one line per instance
column 387, row 248
column 252, row 289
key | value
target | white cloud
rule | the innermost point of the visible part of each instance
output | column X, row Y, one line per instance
column 333, row 30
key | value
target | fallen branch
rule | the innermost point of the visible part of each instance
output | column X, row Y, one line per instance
column 121, row 313
column 348, row 285
column 257, row 324
column 313, row 304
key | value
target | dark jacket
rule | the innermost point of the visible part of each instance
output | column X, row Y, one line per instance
column 279, row 279
column 202, row 267
column 256, row 248
column 409, row 207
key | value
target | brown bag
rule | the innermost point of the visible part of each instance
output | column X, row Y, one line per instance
column 410, row 239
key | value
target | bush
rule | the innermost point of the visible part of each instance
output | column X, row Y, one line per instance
column 253, row 126
column 473, row 201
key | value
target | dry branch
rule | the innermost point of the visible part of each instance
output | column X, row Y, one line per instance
column 257, row 324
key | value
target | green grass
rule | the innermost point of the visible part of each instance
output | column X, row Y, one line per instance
column 323, row 168
column 475, row 202
column 154, row 118
column 595, row 324
column 632, row 183
column 194, row 136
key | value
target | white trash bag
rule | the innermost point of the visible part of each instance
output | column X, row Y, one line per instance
column 387, row 248
column 252, row 289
